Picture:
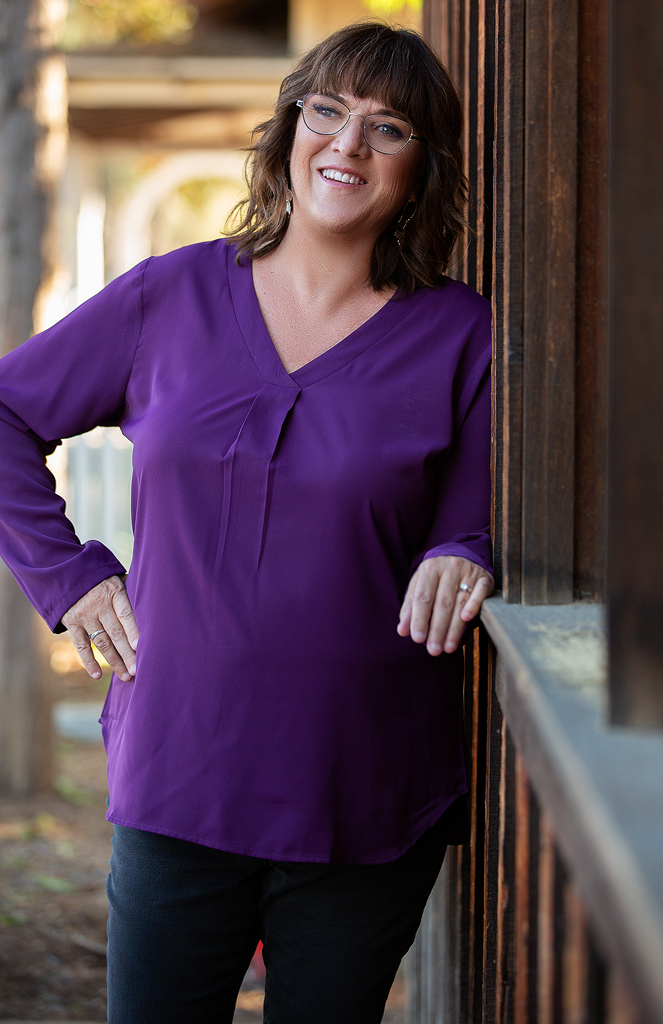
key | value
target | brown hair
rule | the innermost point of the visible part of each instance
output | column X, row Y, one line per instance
column 396, row 66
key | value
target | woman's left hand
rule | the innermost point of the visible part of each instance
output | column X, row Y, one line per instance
column 436, row 610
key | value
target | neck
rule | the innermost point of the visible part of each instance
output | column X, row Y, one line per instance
column 322, row 265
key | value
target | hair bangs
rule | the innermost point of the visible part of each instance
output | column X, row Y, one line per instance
column 375, row 67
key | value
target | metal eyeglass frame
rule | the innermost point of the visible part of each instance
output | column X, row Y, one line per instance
column 412, row 137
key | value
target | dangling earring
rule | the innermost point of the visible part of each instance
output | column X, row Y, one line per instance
column 288, row 201
column 404, row 220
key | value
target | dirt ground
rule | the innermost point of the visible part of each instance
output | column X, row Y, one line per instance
column 54, row 851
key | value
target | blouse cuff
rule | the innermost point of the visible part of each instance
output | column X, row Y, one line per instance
column 104, row 565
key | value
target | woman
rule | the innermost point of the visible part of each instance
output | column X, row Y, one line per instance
column 309, row 406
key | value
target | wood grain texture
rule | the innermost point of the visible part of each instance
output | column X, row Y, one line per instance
column 591, row 303
column 635, row 464
column 506, row 883
column 491, row 848
column 549, row 300
column 508, row 283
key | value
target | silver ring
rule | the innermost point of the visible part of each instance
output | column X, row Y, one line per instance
column 96, row 633
column 465, row 587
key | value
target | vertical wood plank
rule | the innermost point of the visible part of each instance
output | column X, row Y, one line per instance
column 561, row 287
column 480, row 683
column 509, row 273
column 575, row 958
column 521, row 910
column 559, row 933
column 535, row 294
column 546, row 936
column 469, row 46
column 596, row 983
column 506, row 882
column 591, row 300
column 635, row 464
column 436, row 25
column 491, row 848
column 533, row 908
column 549, row 300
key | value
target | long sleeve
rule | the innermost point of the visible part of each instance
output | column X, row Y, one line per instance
column 462, row 514
column 275, row 521
column 60, row 383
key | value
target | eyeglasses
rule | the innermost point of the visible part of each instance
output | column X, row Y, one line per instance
column 382, row 132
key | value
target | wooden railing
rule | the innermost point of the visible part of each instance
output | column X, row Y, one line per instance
column 553, row 913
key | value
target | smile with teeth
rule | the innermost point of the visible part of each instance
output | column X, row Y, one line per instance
column 350, row 179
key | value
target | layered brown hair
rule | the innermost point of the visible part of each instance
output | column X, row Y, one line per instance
column 396, row 67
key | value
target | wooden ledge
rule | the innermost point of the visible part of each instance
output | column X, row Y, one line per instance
column 601, row 787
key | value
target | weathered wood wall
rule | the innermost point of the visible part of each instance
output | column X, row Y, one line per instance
column 533, row 78
column 506, row 936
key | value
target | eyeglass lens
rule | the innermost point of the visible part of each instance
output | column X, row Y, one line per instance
column 383, row 133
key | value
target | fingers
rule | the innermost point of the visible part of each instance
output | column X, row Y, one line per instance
column 114, row 645
column 435, row 610
column 125, row 615
column 81, row 642
column 105, row 613
column 471, row 607
column 467, row 606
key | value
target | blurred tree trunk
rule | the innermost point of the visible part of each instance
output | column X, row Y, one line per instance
column 33, row 138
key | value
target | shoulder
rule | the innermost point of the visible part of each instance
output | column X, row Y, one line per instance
column 201, row 258
column 452, row 317
column 458, row 298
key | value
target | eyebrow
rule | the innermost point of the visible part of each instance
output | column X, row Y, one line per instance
column 384, row 110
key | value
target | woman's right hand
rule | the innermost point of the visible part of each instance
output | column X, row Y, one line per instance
column 107, row 608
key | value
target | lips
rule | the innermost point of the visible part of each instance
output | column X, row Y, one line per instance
column 345, row 177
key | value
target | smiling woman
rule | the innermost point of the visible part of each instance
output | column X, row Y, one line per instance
column 309, row 404
column 399, row 73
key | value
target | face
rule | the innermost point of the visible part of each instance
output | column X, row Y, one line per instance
column 377, row 185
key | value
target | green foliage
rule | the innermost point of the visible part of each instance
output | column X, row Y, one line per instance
column 104, row 22
column 52, row 884
column 70, row 792
column 10, row 920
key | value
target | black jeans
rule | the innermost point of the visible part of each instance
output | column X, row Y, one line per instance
column 185, row 920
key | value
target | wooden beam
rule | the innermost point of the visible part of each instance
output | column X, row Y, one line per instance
column 506, row 883
column 491, row 848
column 508, row 291
column 591, row 299
column 549, row 300
column 635, row 463
column 521, row 1001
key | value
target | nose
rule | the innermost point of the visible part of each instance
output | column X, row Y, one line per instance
column 350, row 140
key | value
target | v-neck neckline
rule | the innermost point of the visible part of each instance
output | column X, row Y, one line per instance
column 261, row 346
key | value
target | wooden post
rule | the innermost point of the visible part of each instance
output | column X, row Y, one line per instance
column 635, row 387
column 33, row 133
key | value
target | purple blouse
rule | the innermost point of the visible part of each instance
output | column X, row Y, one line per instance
column 277, row 519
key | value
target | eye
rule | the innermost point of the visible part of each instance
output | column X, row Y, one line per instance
column 327, row 111
column 389, row 129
